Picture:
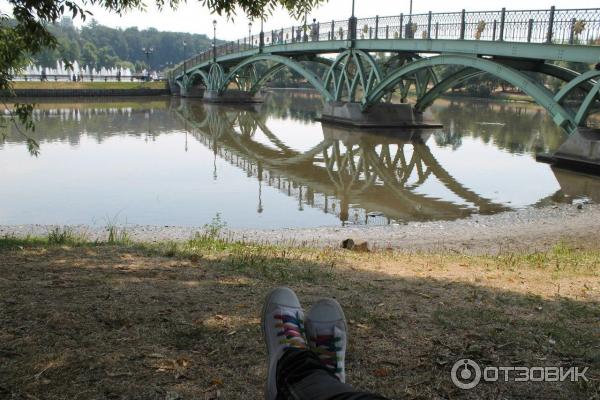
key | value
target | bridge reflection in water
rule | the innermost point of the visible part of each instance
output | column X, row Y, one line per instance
column 372, row 178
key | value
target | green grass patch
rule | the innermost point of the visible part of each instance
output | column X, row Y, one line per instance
column 9, row 242
column 63, row 236
column 562, row 258
column 51, row 85
column 118, row 236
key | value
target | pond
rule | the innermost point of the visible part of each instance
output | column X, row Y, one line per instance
column 170, row 161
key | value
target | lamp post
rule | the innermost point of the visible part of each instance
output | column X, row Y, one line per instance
column 250, row 33
column 184, row 43
column 352, row 26
column 261, row 37
column 305, row 36
column 148, row 51
column 214, row 40
column 410, row 32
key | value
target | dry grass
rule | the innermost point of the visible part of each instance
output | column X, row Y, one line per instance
column 148, row 322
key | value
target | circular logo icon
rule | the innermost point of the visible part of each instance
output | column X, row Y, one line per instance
column 465, row 374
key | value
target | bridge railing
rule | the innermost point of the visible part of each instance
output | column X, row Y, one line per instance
column 565, row 26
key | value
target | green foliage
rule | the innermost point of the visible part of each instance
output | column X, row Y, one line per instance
column 97, row 46
column 61, row 236
column 215, row 227
column 260, row 8
column 117, row 235
column 20, row 115
column 211, row 238
column 479, row 90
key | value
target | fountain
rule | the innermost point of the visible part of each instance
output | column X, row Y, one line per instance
column 64, row 72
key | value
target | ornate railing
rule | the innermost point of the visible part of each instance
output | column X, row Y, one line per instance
column 569, row 26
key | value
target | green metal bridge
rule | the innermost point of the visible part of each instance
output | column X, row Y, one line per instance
column 368, row 60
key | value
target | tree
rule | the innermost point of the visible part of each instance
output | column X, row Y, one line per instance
column 69, row 49
column 89, row 56
column 29, row 33
column 106, row 57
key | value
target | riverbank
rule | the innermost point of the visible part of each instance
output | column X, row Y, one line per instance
column 180, row 320
column 88, row 89
column 532, row 229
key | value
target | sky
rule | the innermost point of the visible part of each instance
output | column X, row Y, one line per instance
column 194, row 18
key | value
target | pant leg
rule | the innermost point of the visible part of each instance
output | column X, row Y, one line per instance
column 300, row 376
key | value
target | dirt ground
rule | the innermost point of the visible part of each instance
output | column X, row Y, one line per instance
column 114, row 322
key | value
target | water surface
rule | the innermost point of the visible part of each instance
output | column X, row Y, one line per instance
column 167, row 161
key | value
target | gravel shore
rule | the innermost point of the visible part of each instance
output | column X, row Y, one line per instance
column 534, row 229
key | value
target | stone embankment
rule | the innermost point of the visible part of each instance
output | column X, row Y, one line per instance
column 91, row 92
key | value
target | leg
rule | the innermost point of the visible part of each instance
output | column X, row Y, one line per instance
column 302, row 376
column 295, row 371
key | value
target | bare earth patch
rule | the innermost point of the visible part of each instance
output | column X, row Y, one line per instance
column 110, row 322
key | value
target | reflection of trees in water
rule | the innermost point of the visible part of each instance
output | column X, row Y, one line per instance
column 68, row 124
column 302, row 105
column 512, row 127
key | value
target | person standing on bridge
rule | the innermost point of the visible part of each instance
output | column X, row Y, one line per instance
column 306, row 357
column 314, row 31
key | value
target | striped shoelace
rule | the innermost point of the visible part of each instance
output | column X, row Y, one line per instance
column 291, row 330
column 326, row 347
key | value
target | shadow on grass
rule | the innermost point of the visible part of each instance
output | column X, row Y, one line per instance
column 124, row 322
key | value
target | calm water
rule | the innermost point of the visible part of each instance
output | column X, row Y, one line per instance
column 179, row 162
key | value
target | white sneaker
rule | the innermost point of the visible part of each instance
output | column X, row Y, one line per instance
column 327, row 332
column 283, row 327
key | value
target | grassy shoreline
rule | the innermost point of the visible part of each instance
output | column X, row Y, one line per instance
column 97, row 85
column 116, row 319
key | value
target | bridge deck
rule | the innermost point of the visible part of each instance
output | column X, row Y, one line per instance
column 551, row 34
column 537, row 51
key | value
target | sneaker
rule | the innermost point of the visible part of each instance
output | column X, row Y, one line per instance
column 282, row 327
column 327, row 332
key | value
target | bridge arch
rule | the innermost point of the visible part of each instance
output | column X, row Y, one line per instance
column 562, row 73
column 198, row 73
column 444, row 85
column 180, row 83
column 580, row 80
column 290, row 63
column 540, row 94
column 350, row 70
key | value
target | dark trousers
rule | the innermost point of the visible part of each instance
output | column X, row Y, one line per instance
column 300, row 376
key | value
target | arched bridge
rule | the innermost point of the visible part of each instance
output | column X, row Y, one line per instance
column 370, row 61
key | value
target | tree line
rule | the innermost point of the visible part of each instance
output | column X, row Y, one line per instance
column 98, row 46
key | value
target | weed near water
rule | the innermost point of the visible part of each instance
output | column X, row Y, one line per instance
column 62, row 236
column 118, row 235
